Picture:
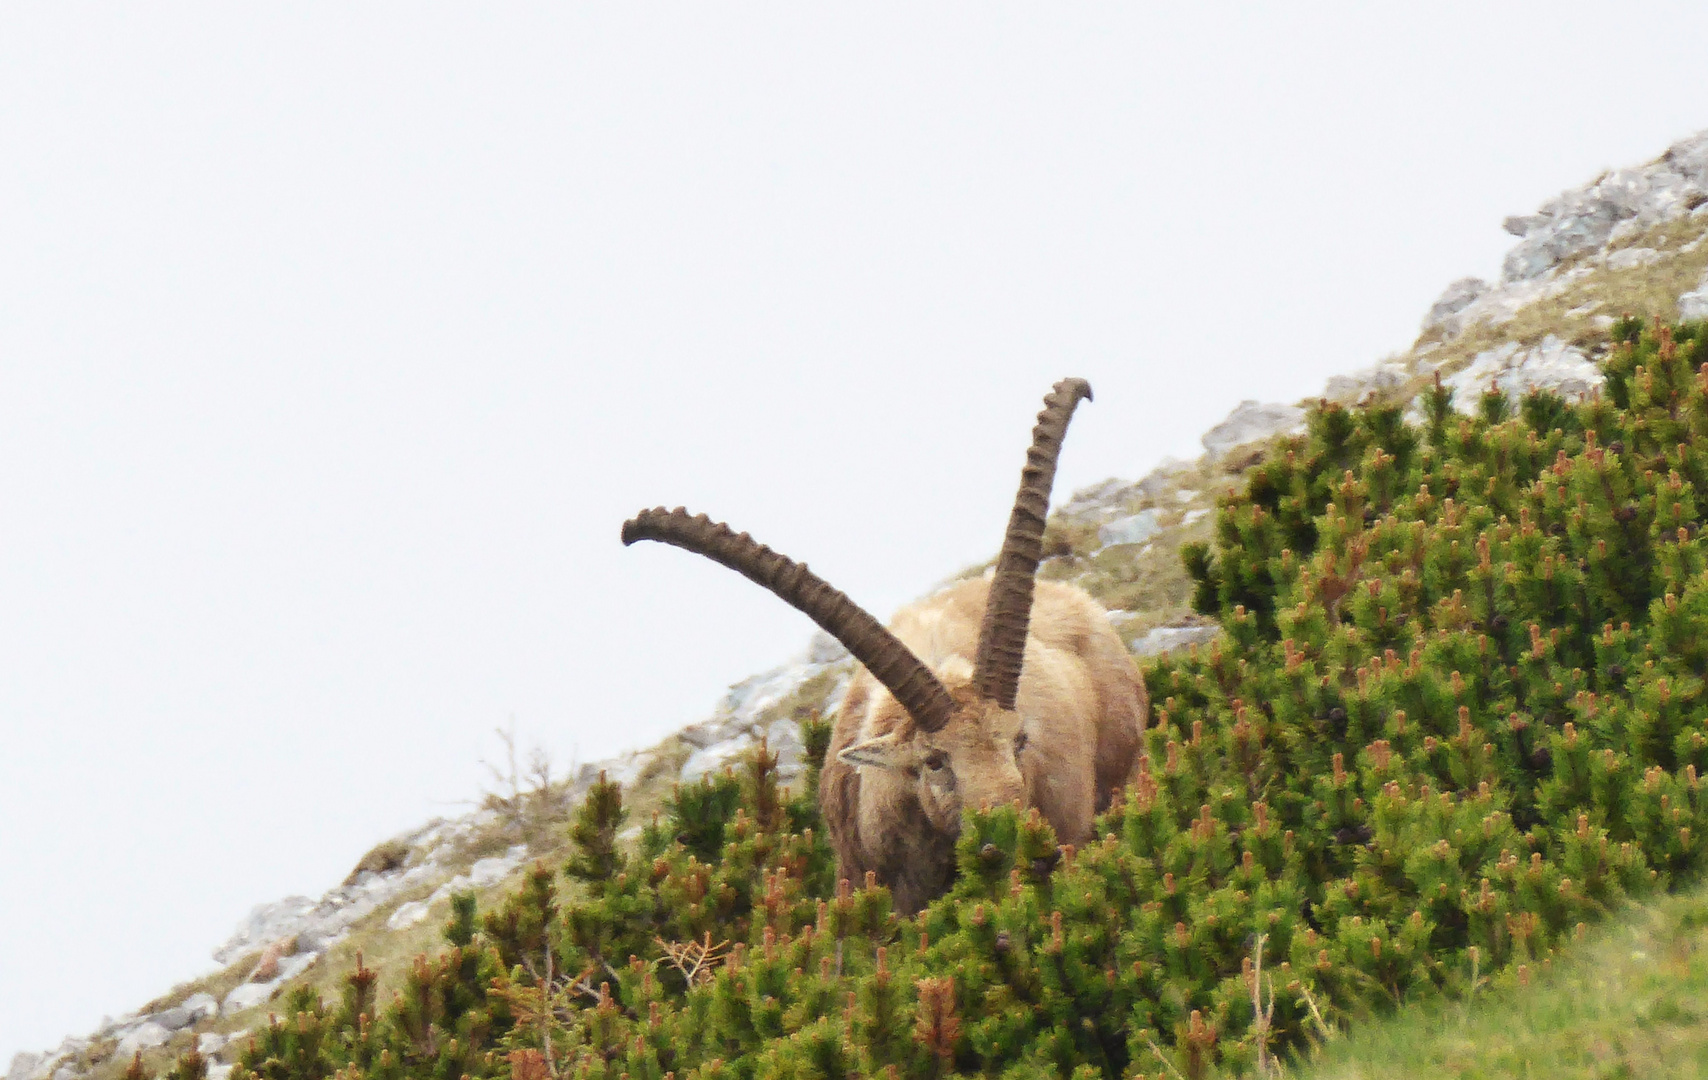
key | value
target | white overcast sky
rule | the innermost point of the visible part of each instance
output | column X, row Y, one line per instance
column 336, row 342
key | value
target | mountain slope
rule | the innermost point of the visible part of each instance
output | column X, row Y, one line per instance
column 1629, row 241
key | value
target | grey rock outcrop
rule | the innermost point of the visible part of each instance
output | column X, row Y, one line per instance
column 1455, row 299
column 1551, row 365
column 1694, row 304
column 1373, row 379
column 266, row 923
column 1630, row 258
column 1169, row 638
column 318, row 924
column 250, row 994
column 1113, row 498
column 1598, row 216
column 144, row 1036
column 759, row 708
column 1618, row 203
column 1252, row 421
column 194, row 1008
column 1132, row 529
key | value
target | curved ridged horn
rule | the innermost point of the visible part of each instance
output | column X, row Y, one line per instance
column 1008, row 611
column 889, row 661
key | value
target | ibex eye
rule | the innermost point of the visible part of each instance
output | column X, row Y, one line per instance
column 936, row 761
column 1019, row 742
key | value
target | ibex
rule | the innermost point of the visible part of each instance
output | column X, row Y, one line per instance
column 957, row 705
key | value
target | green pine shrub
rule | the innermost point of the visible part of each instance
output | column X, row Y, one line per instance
column 1458, row 712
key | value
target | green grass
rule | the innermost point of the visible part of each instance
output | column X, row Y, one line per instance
column 1630, row 999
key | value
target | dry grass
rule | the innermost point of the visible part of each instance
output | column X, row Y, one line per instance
column 1651, row 291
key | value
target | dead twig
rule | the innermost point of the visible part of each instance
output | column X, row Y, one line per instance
column 1160, row 1056
column 696, row 960
column 1311, row 1003
column 1261, row 1015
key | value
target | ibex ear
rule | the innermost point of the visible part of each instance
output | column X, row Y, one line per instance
column 882, row 752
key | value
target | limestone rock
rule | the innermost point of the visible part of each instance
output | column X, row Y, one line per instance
column 783, row 738
column 407, row 915
column 1630, row 258
column 1354, row 387
column 824, row 649
column 267, row 968
column 486, row 872
column 712, row 759
column 267, row 922
column 1170, row 638
column 203, row 1006
column 246, row 996
column 144, row 1036
column 1523, row 224
column 175, row 1018
column 1694, row 304
column 1135, row 529
column 1455, row 299
column 1250, row 422
column 1551, row 364
column 1115, row 498
column 1619, row 203
column 1101, row 500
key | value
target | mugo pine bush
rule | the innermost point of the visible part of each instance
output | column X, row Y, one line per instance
column 1458, row 711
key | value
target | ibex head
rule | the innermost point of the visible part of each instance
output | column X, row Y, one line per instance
column 961, row 736
column 972, row 760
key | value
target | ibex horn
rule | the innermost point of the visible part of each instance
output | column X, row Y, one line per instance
column 1008, row 611
column 889, row 661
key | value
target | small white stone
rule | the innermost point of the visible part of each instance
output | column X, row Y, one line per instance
column 491, row 871
column 1694, row 304
column 144, row 1036
column 407, row 915
column 712, row 759
column 1168, row 638
column 246, row 996
column 1134, row 529
column 1630, row 258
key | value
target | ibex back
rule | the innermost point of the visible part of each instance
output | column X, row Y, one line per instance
column 980, row 695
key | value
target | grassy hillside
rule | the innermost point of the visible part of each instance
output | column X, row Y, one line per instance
column 1629, row 1000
